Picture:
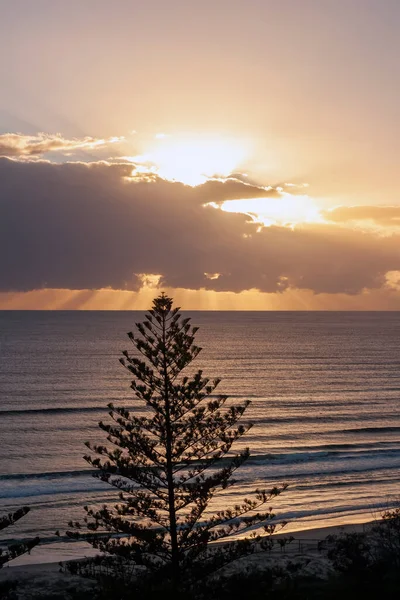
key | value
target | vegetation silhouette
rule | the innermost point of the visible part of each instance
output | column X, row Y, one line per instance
column 14, row 550
column 167, row 463
column 371, row 553
column 358, row 564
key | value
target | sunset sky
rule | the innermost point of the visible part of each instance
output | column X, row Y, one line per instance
column 238, row 154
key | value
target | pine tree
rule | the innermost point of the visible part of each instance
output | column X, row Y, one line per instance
column 169, row 463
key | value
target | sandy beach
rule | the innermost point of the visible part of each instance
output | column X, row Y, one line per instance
column 39, row 572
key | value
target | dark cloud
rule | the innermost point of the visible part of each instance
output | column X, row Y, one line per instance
column 83, row 226
column 382, row 215
column 233, row 189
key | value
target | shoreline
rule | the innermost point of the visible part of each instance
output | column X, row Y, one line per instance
column 41, row 574
column 53, row 553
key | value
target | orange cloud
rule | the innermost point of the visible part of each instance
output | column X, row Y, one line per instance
column 387, row 216
column 16, row 145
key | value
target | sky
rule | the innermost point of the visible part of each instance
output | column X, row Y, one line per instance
column 237, row 154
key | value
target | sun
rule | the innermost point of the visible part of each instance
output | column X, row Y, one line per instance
column 192, row 159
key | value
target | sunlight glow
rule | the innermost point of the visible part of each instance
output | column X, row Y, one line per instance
column 285, row 210
column 289, row 299
column 149, row 280
column 393, row 280
column 192, row 160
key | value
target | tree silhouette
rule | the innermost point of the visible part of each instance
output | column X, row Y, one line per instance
column 169, row 462
column 14, row 550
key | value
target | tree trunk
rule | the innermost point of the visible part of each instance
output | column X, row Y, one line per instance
column 170, row 477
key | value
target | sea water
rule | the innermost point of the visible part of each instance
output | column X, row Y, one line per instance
column 325, row 407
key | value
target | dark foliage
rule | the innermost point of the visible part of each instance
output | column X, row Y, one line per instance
column 369, row 561
column 7, row 588
column 375, row 549
column 14, row 550
column 167, row 464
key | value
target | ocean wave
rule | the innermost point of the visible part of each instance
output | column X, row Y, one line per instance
column 301, row 457
column 335, row 418
column 352, row 452
column 347, row 483
column 384, row 429
column 285, row 476
column 47, row 475
column 53, row 410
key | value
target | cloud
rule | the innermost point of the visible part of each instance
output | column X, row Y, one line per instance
column 17, row 145
column 387, row 216
column 90, row 226
column 233, row 189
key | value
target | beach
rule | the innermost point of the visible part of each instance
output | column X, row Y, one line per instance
column 39, row 572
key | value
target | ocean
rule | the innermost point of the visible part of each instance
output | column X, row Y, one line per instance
column 325, row 403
